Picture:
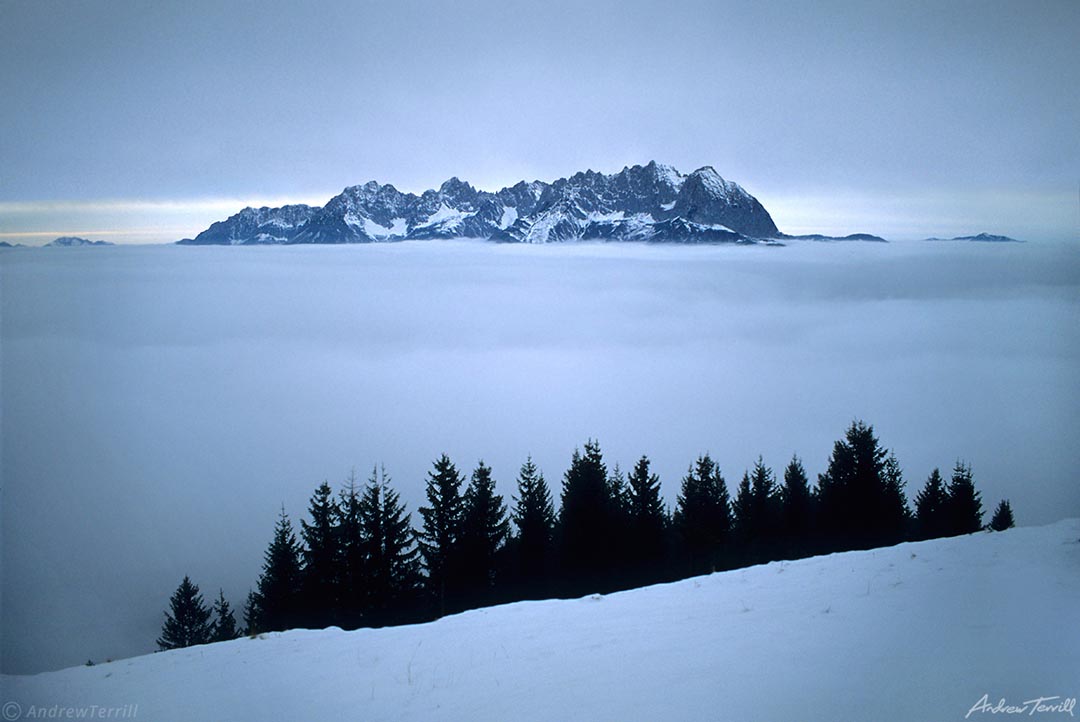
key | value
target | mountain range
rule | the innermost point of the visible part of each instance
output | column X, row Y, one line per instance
column 73, row 241
column 653, row 202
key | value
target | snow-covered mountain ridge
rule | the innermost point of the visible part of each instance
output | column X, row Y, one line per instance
column 640, row 203
column 918, row 631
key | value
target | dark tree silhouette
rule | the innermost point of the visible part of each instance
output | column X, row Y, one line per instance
column 1003, row 517
column 251, row 613
column 279, row 584
column 223, row 627
column 931, row 515
column 392, row 564
column 188, row 620
column 321, row 557
column 797, row 510
column 702, row 517
column 757, row 513
column 484, row 530
column 533, row 545
column 895, row 513
column 351, row 564
column 440, row 534
column 585, row 523
column 647, row 525
column 965, row 503
column 855, row 504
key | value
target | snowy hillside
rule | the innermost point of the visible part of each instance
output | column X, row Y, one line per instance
column 914, row 632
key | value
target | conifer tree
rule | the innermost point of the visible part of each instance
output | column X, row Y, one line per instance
column 279, row 584
column 853, row 495
column 224, row 624
column 251, row 613
column 895, row 512
column 440, row 534
column 188, row 620
column 321, row 555
column 647, row 523
column 484, row 530
column 351, row 569
column 533, row 545
column 742, row 510
column 702, row 517
column 585, row 523
column 1003, row 517
column 930, row 508
column 757, row 513
column 391, row 558
column 797, row 510
column 964, row 506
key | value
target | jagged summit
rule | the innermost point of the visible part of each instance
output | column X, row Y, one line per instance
column 653, row 202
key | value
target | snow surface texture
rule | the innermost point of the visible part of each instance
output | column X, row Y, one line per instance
column 640, row 203
column 913, row 632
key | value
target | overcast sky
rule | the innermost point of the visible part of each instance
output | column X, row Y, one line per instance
column 145, row 121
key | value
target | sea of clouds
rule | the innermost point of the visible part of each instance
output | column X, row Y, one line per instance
column 160, row 404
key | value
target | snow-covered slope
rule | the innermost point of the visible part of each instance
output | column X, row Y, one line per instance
column 913, row 632
column 640, row 203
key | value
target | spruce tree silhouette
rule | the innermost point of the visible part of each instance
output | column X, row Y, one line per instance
column 647, row 525
column 533, row 545
column 223, row 628
column 585, row 524
column 392, row 577
column 1003, row 517
column 797, row 510
column 965, row 502
column 484, row 530
column 188, row 620
column 351, row 565
column 321, row 556
column 931, row 515
column 703, row 518
column 440, row 534
column 279, row 584
column 855, row 502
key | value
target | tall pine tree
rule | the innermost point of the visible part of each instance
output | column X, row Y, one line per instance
column 321, row 555
column 440, row 534
column 895, row 513
column 585, row 523
column 931, row 519
column 647, row 525
column 964, row 507
column 392, row 563
column 351, row 565
column 757, row 513
column 797, row 510
column 188, row 620
column 279, row 584
column 702, row 518
column 533, row 545
column 223, row 628
column 854, row 501
column 484, row 530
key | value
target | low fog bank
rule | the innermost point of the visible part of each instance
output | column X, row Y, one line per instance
column 161, row 403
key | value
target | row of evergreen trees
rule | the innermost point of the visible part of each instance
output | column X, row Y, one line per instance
column 359, row 562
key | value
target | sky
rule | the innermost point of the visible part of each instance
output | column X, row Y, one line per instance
column 161, row 403
column 144, row 122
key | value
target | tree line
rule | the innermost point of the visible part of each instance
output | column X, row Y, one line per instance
column 358, row 560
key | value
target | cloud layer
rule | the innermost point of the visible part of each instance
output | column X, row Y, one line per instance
column 160, row 404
